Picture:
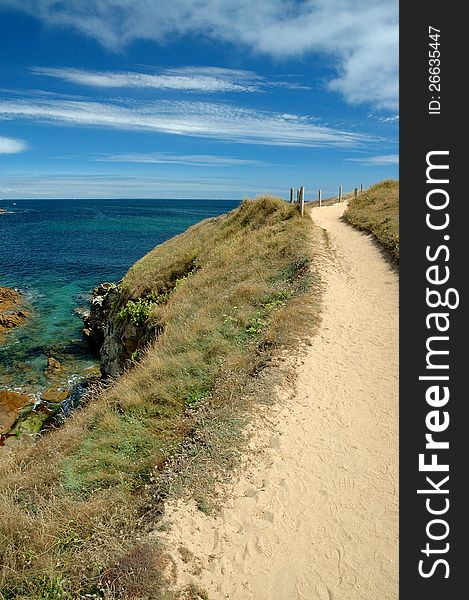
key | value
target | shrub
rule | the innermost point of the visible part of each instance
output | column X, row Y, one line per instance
column 137, row 311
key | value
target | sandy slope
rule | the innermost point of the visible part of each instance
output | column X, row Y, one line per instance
column 314, row 515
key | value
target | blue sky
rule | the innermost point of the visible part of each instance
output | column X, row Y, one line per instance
column 196, row 98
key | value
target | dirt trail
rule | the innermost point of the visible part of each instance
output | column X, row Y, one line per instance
column 315, row 516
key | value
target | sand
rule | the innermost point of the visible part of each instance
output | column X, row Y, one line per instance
column 313, row 513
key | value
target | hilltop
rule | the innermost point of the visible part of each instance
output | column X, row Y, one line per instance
column 214, row 306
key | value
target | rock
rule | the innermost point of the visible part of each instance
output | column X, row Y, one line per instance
column 32, row 419
column 93, row 372
column 53, row 366
column 121, row 340
column 96, row 319
column 10, row 300
column 30, row 423
column 10, row 405
column 55, row 395
column 82, row 311
column 10, row 320
column 112, row 353
column 103, row 289
column 114, row 340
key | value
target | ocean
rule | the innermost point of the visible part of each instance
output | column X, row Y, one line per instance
column 55, row 252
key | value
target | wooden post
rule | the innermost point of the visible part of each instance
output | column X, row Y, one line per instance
column 355, row 192
column 361, row 188
column 302, row 201
column 340, row 193
column 292, row 191
column 319, row 198
column 298, row 196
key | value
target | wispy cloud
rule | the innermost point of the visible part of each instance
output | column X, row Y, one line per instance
column 195, row 119
column 11, row 146
column 391, row 119
column 190, row 79
column 197, row 160
column 289, row 85
column 383, row 119
column 112, row 185
column 360, row 35
column 377, row 161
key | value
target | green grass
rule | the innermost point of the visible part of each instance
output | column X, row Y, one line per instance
column 225, row 297
column 377, row 210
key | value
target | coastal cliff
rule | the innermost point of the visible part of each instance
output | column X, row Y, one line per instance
column 115, row 334
column 125, row 319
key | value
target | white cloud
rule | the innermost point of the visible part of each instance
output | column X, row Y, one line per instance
column 377, row 161
column 198, row 160
column 368, row 73
column 360, row 35
column 195, row 119
column 190, row 79
column 11, row 146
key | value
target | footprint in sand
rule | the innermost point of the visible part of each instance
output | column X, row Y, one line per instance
column 322, row 592
column 264, row 546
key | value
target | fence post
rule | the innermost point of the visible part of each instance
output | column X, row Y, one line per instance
column 298, row 196
column 319, row 198
column 340, row 193
column 292, row 191
column 355, row 192
column 361, row 188
column 302, row 201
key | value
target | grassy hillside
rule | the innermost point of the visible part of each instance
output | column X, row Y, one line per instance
column 225, row 296
column 377, row 210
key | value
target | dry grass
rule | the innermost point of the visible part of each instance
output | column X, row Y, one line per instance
column 239, row 289
column 377, row 210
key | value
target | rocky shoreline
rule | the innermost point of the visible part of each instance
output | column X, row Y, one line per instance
column 115, row 339
column 12, row 310
column 24, row 414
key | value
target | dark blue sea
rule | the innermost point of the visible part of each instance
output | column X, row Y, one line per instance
column 56, row 252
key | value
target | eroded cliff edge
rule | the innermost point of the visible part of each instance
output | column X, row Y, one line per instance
column 118, row 328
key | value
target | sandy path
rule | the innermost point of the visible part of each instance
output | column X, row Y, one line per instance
column 314, row 516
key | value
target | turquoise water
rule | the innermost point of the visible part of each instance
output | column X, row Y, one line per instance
column 56, row 252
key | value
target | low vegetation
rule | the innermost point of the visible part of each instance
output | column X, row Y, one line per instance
column 377, row 210
column 138, row 311
column 226, row 296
